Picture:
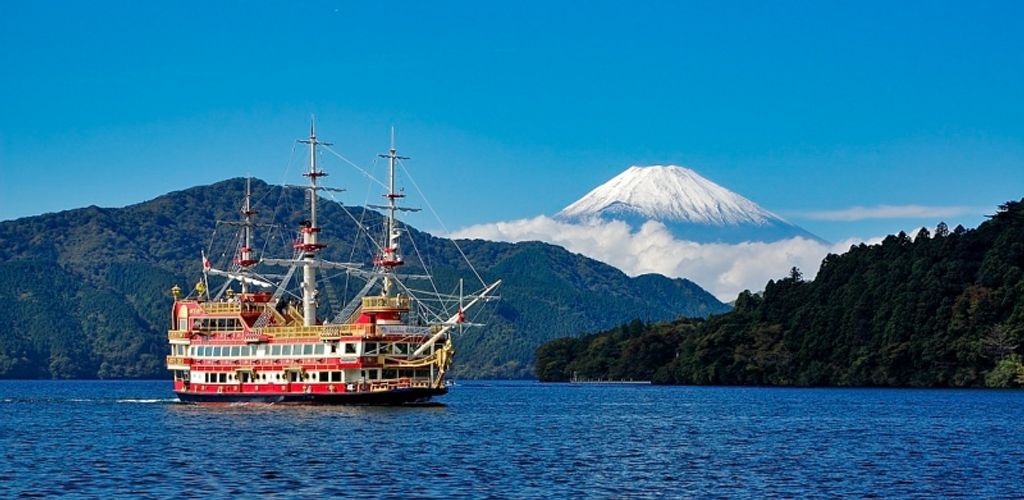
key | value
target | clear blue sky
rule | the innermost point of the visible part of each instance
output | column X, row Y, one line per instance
column 514, row 109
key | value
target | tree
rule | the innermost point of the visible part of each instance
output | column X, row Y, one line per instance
column 1007, row 373
column 999, row 343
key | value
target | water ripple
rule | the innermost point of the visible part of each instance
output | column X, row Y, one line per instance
column 518, row 439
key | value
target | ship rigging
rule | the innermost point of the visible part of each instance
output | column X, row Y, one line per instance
column 389, row 347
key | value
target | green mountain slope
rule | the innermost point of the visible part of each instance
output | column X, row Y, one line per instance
column 942, row 310
column 86, row 291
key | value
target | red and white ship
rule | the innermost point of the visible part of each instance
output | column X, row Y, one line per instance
column 389, row 345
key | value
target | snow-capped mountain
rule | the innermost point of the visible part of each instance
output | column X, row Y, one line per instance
column 692, row 207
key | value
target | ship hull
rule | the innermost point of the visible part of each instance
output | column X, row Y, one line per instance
column 383, row 398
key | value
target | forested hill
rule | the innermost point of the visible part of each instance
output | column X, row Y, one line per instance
column 945, row 309
column 85, row 292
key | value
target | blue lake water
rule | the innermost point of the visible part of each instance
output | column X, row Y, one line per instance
column 516, row 439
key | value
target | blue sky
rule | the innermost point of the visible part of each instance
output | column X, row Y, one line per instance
column 515, row 109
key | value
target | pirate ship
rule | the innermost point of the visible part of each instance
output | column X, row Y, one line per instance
column 391, row 343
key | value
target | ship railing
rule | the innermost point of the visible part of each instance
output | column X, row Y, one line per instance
column 255, row 337
column 412, row 331
column 335, row 332
column 221, row 307
column 178, row 335
column 293, row 332
column 177, row 360
column 371, row 304
column 325, row 332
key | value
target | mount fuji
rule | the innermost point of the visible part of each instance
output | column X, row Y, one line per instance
column 690, row 206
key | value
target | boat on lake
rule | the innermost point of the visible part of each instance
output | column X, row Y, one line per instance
column 390, row 344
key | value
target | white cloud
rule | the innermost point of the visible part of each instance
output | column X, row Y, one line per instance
column 722, row 269
column 892, row 212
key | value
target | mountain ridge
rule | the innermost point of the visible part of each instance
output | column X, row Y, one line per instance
column 113, row 268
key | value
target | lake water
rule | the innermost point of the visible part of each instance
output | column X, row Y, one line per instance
column 516, row 439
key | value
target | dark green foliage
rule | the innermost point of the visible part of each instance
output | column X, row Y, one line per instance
column 943, row 310
column 633, row 351
column 86, row 292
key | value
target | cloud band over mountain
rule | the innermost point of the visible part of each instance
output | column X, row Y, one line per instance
column 723, row 269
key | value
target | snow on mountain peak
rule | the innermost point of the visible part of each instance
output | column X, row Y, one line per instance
column 668, row 193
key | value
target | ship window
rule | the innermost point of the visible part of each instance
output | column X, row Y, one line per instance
column 335, row 376
column 422, row 373
column 275, row 350
column 216, row 351
column 334, row 347
column 404, row 373
column 350, row 348
column 235, row 351
column 286, row 350
column 223, row 378
column 370, row 348
column 307, row 349
column 324, row 376
column 390, row 374
column 402, row 348
column 319, row 349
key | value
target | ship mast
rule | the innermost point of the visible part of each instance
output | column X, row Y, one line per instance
column 245, row 258
column 309, row 245
column 390, row 257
